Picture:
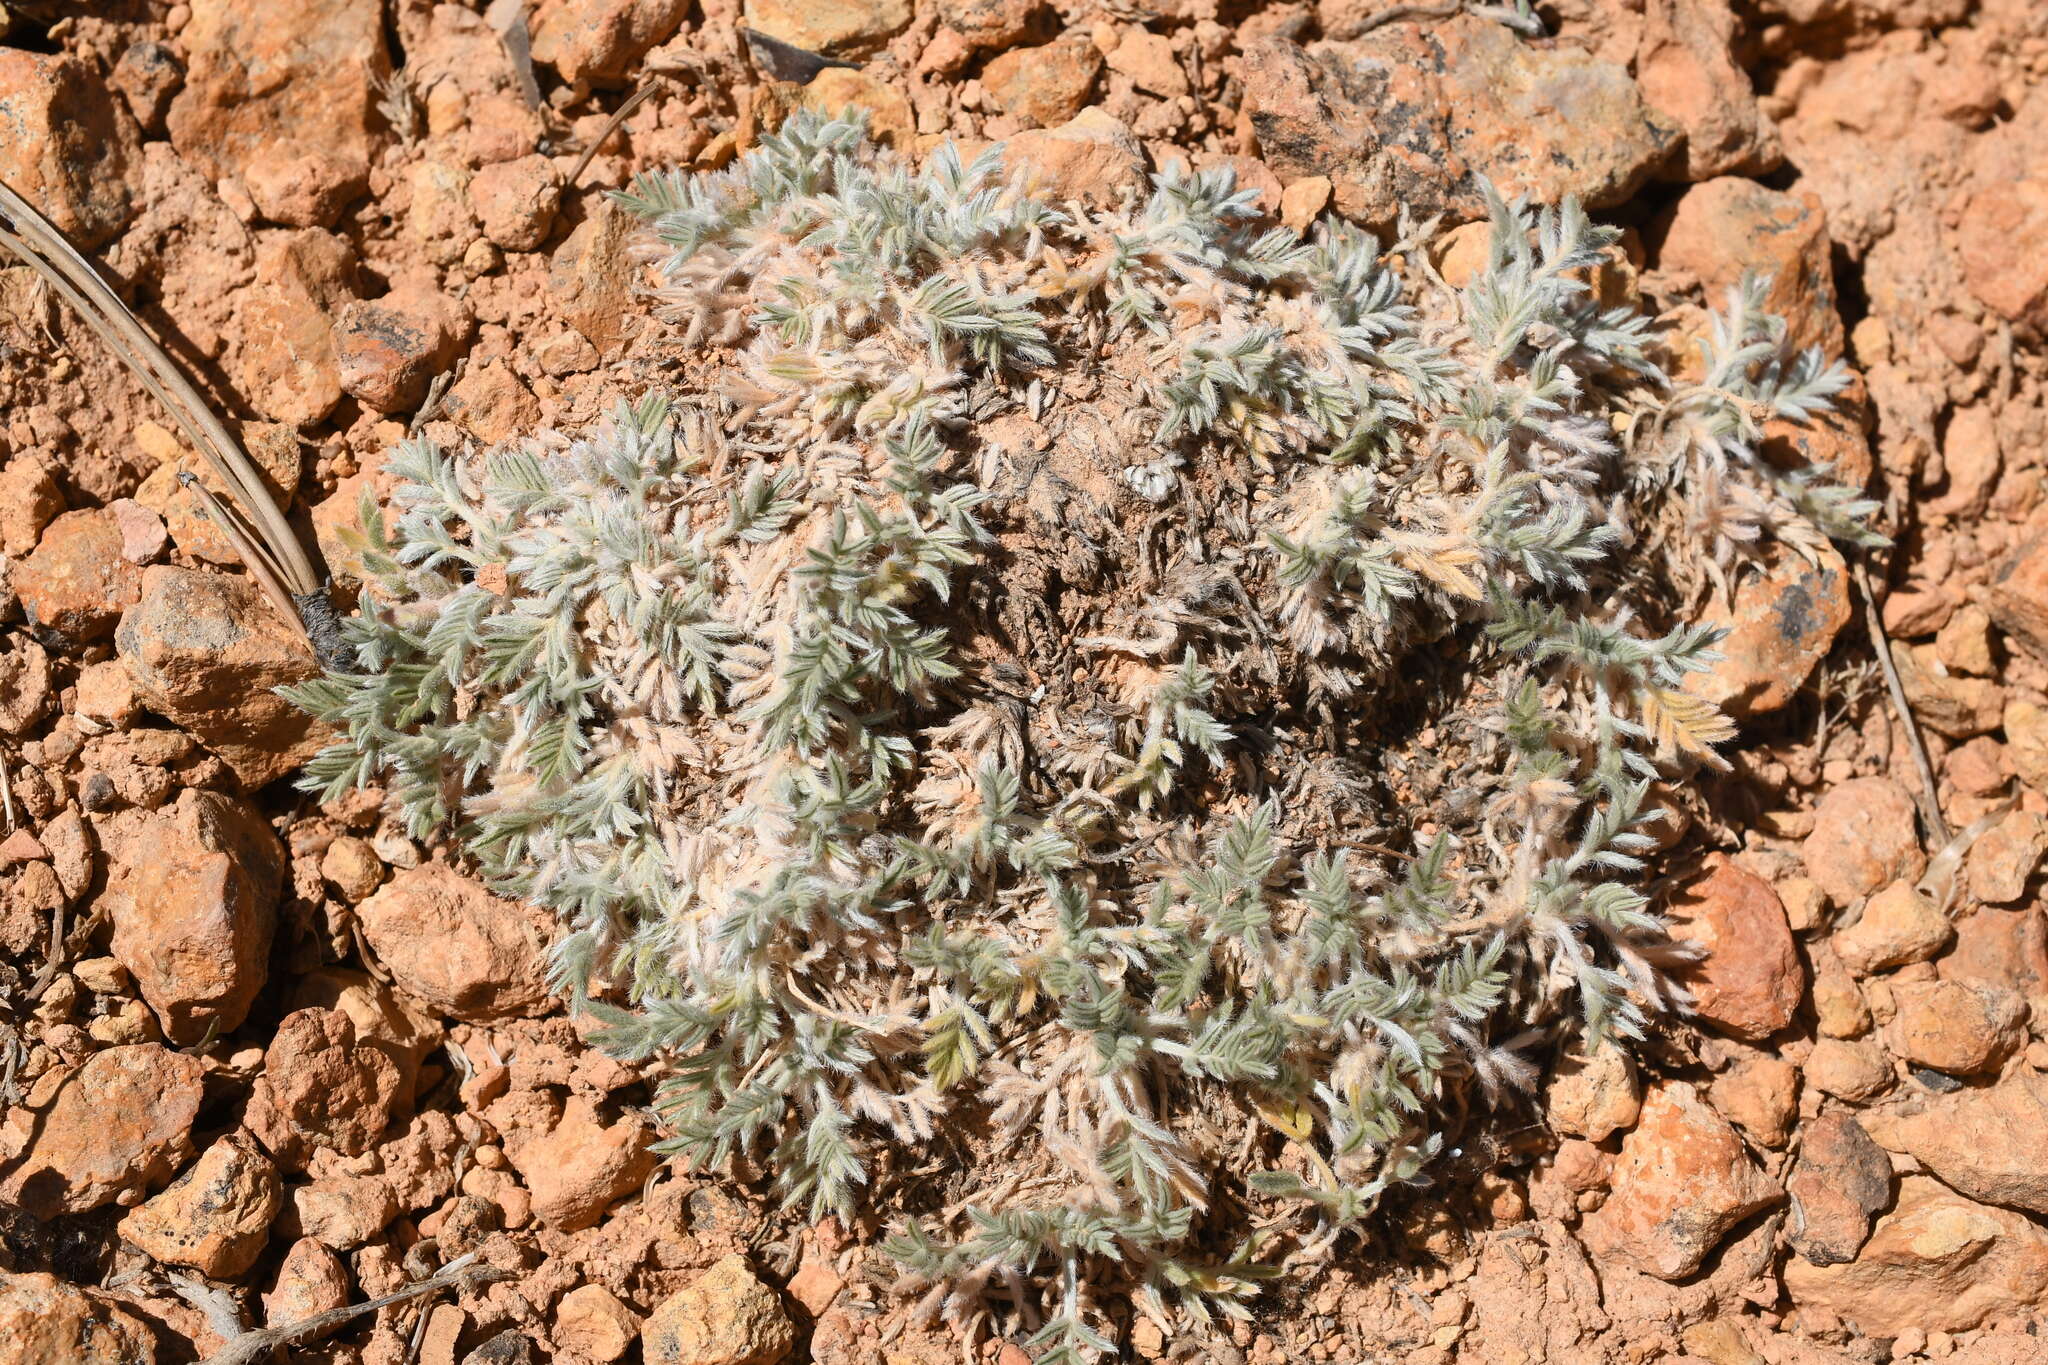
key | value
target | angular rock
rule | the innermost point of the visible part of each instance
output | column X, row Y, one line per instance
column 148, row 74
column 344, row 1211
column 394, row 1027
column 1958, row 1027
column 1899, row 924
column 208, row 651
column 725, row 1317
column 1594, row 1097
column 311, row 1280
column 78, row 581
column 118, row 1125
column 352, row 868
column 454, row 946
column 1947, row 704
column 46, row 1321
column 990, row 25
column 1841, row 1182
column 320, row 1088
column 1865, row 836
column 1994, row 236
column 437, row 219
column 592, row 1322
column 1937, row 1263
column 285, row 360
column 2003, row 860
column 1724, row 227
column 581, row 1166
column 64, row 146
column 305, row 188
column 26, row 692
column 602, row 40
column 515, row 201
column 215, row 1217
column 265, row 83
column 1147, row 58
column 388, row 351
column 1996, row 947
column 1760, row 1095
column 1682, row 1183
column 1855, row 1070
column 1779, row 627
column 195, row 912
column 592, row 274
column 29, row 501
column 1043, row 87
column 2017, row 598
column 835, row 26
column 1417, row 115
column 1091, row 157
column 490, row 403
column 1983, row 1141
column 1690, row 77
column 1750, row 982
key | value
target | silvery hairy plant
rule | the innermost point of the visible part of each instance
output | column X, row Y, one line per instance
column 1119, row 712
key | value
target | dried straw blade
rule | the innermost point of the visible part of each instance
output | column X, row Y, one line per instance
column 264, row 540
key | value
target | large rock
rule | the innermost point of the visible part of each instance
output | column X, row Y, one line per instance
column 64, row 146
column 453, row 945
column 320, row 1088
column 602, row 40
column 1996, row 236
column 390, row 350
column 837, row 26
column 207, row 652
column 1842, row 1180
column 1724, row 228
column 1865, row 836
column 1938, row 1262
column 45, row 1321
column 1985, row 1142
column 1091, row 157
column 1682, row 1183
column 592, row 276
column 1780, row 625
column 267, row 84
column 725, row 1317
column 583, row 1165
column 1413, row 115
column 1960, row 1027
column 1595, row 1096
column 1688, row 73
column 116, row 1126
column 2017, row 598
column 79, row 579
column 1043, row 86
column 1899, row 925
column 1750, row 980
column 195, row 908
column 215, row 1217
column 312, row 1280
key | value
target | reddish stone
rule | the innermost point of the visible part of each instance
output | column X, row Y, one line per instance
column 118, row 1125
column 1779, row 627
column 1983, row 1141
column 1842, row 1181
column 65, row 146
column 1751, row 981
column 1682, row 1183
column 1723, row 228
column 1865, row 836
column 77, row 582
column 1955, row 1026
column 195, row 911
column 1043, row 87
column 453, row 945
column 320, row 1088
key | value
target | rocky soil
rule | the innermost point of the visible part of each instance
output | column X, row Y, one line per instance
column 260, row 1059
